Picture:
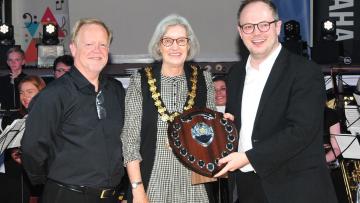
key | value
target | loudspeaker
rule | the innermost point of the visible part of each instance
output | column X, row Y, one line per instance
column 296, row 46
column 325, row 52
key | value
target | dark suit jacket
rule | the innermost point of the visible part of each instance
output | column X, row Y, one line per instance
column 287, row 140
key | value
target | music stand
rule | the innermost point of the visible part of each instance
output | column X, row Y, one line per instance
column 12, row 135
column 357, row 98
column 352, row 115
column 349, row 145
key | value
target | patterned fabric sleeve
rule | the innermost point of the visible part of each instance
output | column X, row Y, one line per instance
column 210, row 102
column 130, row 135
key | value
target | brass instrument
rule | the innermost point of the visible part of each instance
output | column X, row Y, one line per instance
column 351, row 174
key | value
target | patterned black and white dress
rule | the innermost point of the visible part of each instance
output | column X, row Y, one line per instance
column 170, row 180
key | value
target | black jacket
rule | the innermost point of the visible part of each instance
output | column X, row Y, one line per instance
column 9, row 92
column 287, row 137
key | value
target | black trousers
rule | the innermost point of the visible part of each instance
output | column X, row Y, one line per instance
column 54, row 193
column 249, row 188
column 219, row 190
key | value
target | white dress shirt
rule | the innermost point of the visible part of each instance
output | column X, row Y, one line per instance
column 255, row 81
column 220, row 109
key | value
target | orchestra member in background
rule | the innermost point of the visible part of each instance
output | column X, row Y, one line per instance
column 14, row 183
column 220, row 92
column 333, row 152
column 9, row 92
column 221, row 190
column 62, row 65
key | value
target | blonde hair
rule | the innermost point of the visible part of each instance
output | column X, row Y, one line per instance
column 89, row 21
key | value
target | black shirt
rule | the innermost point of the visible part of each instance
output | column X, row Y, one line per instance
column 9, row 92
column 65, row 140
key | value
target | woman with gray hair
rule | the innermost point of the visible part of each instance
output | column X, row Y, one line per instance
column 157, row 94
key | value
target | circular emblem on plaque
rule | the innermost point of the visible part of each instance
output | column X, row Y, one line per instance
column 199, row 137
column 202, row 133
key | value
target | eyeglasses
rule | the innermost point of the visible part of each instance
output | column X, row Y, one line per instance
column 182, row 41
column 101, row 111
column 249, row 28
column 61, row 70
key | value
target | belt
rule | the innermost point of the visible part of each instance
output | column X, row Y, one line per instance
column 102, row 193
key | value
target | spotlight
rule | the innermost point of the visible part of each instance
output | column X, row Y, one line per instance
column 326, row 49
column 6, row 34
column 292, row 38
column 292, row 30
column 50, row 49
column 328, row 30
column 50, row 34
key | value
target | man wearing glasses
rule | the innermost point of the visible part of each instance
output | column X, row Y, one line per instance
column 277, row 100
column 72, row 137
column 62, row 65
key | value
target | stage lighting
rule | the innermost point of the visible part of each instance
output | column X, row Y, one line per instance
column 50, row 34
column 328, row 30
column 6, row 34
column 292, row 30
column 292, row 38
column 326, row 49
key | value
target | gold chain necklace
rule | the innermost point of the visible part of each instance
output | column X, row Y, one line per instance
column 164, row 113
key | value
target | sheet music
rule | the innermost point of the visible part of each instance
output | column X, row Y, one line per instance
column 348, row 152
column 352, row 115
column 7, row 137
column 357, row 98
column 16, row 141
column 2, row 163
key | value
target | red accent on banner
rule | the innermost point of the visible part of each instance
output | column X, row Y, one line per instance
column 48, row 17
column 31, row 52
column 61, row 33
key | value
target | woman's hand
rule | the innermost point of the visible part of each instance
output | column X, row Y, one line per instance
column 229, row 116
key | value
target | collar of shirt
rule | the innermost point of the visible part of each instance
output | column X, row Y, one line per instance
column 83, row 84
column 268, row 63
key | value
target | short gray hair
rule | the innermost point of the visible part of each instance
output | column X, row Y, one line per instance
column 172, row 20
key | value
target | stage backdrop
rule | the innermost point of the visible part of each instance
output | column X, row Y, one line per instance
column 214, row 22
column 28, row 18
column 133, row 23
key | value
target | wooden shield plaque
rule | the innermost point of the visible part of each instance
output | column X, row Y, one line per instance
column 199, row 137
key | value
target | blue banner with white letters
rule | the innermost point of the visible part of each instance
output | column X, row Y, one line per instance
column 298, row 10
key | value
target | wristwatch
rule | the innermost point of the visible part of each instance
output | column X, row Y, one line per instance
column 135, row 184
